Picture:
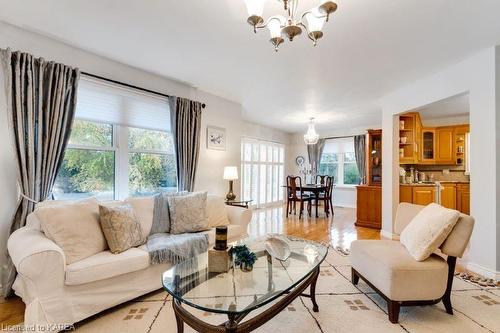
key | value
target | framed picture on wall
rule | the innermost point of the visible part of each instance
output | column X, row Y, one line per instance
column 216, row 138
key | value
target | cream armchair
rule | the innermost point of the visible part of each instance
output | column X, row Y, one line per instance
column 387, row 267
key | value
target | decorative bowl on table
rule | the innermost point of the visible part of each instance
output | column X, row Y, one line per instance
column 277, row 248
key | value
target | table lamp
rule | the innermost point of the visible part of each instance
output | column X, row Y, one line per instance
column 230, row 173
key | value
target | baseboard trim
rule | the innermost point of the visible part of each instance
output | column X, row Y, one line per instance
column 483, row 271
column 386, row 234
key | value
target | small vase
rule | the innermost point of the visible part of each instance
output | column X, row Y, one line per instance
column 246, row 267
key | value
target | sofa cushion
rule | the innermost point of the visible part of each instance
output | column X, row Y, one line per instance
column 392, row 270
column 143, row 209
column 74, row 226
column 105, row 265
column 216, row 211
column 428, row 230
column 120, row 227
column 188, row 213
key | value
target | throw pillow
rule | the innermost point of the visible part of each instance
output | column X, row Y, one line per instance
column 121, row 228
column 216, row 210
column 188, row 213
column 428, row 230
column 74, row 227
column 143, row 209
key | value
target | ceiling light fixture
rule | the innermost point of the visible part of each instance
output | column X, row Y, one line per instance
column 312, row 21
column 311, row 137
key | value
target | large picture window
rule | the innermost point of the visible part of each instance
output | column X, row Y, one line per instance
column 262, row 171
column 338, row 160
column 120, row 145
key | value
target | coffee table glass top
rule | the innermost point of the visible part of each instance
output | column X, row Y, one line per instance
column 236, row 291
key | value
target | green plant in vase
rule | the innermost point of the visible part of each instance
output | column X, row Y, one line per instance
column 244, row 257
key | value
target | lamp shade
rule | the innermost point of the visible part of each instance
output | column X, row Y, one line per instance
column 315, row 20
column 230, row 173
column 274, row 25
column 255, row 7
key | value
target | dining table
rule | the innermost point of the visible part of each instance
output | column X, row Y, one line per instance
column 315, row 189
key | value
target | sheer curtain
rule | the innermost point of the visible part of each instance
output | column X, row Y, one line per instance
column 41, row 103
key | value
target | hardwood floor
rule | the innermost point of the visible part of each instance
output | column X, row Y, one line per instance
column 339, row 231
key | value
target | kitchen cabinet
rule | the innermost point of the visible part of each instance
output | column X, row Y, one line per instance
column 405, row 194
column 463, row 198
column 461, row 148
column 445, row 145
column 423, row 195
column 449, row 196
column 428, row 155
column 369, row 206
column 409, row 125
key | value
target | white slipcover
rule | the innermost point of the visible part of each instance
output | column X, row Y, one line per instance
column 56, row 293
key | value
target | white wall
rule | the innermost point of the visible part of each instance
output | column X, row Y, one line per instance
column 219, row 112
column 344, row 196
column 475, row 75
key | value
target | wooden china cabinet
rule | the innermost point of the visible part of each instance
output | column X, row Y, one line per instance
column 369, row 195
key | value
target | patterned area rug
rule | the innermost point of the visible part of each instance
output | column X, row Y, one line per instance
column 343, row 307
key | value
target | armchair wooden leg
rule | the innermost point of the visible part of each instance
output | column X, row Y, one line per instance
column 447, row 304
column 393, row 310
column 354, row 277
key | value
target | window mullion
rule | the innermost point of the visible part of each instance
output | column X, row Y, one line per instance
column 121, row 163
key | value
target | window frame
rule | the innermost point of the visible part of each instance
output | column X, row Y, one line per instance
column 341, row 162
column 121, row 149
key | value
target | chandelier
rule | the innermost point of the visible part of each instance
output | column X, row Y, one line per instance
column 311, row 137
column 312, row 21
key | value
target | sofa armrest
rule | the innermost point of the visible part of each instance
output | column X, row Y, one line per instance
column 37, row 259
column 239, row 215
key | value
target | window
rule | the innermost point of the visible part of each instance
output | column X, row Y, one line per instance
column 338, row 160
column 262, row 171
column 120, row 145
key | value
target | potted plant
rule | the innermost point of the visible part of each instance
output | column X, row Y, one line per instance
column 244, row 257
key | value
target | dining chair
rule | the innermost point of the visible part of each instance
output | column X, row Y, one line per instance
column 295, row 194
column 321, row 179
column 327, row 196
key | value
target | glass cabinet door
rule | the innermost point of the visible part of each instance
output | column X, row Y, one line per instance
column 428, row 145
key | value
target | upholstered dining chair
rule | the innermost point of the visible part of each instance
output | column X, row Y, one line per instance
column 295, row 194
column 327, row 196
column 388, row 268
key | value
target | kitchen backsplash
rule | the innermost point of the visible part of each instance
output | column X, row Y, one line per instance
column 456, row 173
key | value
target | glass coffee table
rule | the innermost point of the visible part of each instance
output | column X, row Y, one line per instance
column 236, row 293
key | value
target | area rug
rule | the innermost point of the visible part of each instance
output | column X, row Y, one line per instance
column 343, row 307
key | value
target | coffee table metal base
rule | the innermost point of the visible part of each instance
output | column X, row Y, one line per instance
column 235, row 323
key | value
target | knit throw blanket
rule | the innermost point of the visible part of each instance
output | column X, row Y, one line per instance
column 164, row 247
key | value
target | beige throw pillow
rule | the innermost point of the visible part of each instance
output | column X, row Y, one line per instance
column 74, row 226
column 121, row 228
column 216, row 210
column 188, row 213
column 428, row 230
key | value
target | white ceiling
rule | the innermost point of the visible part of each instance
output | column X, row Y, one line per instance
column 456, row 106
column 369, row 49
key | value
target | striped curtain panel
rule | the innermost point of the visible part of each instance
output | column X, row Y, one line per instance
column 360, row 154
column 185, row 119
column 41, row 102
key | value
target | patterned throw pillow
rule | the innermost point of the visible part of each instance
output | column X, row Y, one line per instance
column 188, row 213
column 121, row 228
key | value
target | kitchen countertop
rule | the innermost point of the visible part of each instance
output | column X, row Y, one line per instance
column 434, row 184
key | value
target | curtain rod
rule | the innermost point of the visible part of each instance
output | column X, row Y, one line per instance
column 130, row 86
column 341, row 137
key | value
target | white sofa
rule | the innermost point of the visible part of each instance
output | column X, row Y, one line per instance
column 57, row 293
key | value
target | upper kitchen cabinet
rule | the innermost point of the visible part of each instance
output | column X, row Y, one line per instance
column 445, row 152
column 428, row 139
column 461, row 145
column 409, row 126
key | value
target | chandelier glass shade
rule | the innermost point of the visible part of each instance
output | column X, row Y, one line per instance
column 291, row 25
column 311, row 137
